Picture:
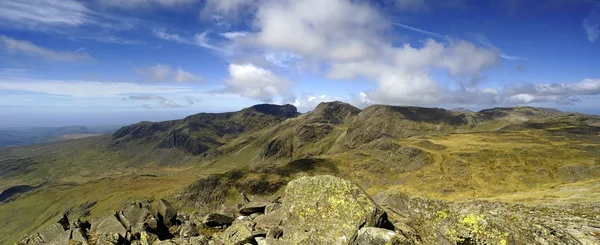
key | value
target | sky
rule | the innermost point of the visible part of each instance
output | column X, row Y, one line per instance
column 108, row 62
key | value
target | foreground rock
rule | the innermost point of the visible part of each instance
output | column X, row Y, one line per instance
column 326, row 210
column 330, row 210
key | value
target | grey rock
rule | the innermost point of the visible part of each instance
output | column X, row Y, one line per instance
column 188, row 229
column 136, row 218
column 253, row 207
column 77, row 235
column 108, row 225
column 215, row 219
column 237, row 234
column 166, row 212
column 377, row 236
column 326, row 210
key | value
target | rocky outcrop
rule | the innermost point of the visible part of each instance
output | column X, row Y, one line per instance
column 330, row 210
column 308, row 199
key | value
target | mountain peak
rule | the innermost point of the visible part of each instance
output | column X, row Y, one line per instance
column 333, row 112
column 286, row 111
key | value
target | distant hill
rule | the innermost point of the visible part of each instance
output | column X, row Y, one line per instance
column 33, row 135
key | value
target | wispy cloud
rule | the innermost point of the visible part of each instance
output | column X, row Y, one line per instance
column 163, row 34
column 160, row 72
column 47, row 15
column 483, row 40
column 15, row 46
column 137, row 4
column 591, row 24
column 200, row 39
column 79, row 88
column 107, row 39
column 162, row 101
column 433, row 34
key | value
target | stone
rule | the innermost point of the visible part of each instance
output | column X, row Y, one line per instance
column 78, row 236
column 326, row 210
column 198, row 240
column 188, row 229
column 136, row 218
column 147, row 238
column 237, row 234
column 110, row 239
column 377, row 236
column 165, row 242
column 215, row 219
column 272, row 207
column 253, row 207
column 267, row 221
column 166, row 212
column 108, row 225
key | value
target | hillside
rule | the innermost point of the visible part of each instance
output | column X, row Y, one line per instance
column 205, row 161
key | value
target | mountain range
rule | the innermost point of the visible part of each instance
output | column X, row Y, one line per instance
column 533, row 156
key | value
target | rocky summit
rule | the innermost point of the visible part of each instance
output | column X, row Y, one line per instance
column 329, row 210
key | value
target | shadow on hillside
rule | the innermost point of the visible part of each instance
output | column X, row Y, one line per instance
column 15, row 190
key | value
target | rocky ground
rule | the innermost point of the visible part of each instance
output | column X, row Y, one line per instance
column 330, row 210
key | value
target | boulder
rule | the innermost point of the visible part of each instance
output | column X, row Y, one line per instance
column 136, row 218
column 215, row 219
column 267, row 221
column 51, row 233
column 272, row 207
column 253, row 207
column 377, row 236
column 147, row 238
column 78, row 236
column 237, row 234
column 110, row 239
column 166, row 212
column 326, row 210
column 188, row 229
column 108, row 225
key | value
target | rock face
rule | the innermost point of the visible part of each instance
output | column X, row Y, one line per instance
column 326, row 210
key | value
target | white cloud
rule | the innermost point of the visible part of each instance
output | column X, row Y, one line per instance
column 309, row 102
column 183, row 76
column 353, row 42
column 256, row 83
column 234, row 35
column 137, row 4
column 591, row 24
column 160, row 72
column 80, row 88
column 15, row 46
column 282, row 59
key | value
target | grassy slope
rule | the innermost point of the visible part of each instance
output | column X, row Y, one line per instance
column 520, row 165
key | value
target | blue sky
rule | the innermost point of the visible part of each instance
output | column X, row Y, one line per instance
column 68, row 62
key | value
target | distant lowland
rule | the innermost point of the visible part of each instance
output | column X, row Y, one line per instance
column 20, row 136
column 268, row 174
